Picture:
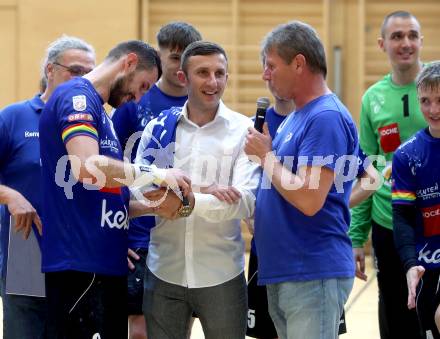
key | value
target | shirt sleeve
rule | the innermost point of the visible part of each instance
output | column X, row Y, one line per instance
column 245, row 178
column 403, row 191
column 404, row 219
column 403, row 195
column 367, row 135
column 360, row 224
column 324, row 146
column 77, row 116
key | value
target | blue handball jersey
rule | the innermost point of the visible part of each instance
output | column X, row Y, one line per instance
column 20, row 159
column 290, row 245
column 85, row 228
column 131, row 118
column 416, row 179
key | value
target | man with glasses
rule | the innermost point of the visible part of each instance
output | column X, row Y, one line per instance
column 74, row 70
column 24, row 316
column 84, row 245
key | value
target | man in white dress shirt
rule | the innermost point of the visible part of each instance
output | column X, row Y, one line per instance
column 196, row 252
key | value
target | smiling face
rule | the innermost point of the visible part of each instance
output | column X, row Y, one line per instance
column 205, row 78
column 402, row 42
column 429, row 99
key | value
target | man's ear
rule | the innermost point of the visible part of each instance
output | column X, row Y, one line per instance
column 381, row 43
column 298, row 63
column 130, row 63
column 182, row 77
column 49, row 70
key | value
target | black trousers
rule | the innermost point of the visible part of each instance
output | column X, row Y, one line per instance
column 86, row 305
column 395, row 320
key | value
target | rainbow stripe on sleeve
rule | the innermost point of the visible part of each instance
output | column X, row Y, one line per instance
column 79, row 129
column 403, row 197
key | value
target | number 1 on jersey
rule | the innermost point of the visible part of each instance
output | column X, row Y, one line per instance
column 405, row 100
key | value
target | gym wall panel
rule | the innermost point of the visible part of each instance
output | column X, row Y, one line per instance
column 40, row 22
column 8, row 64
column 239, row 26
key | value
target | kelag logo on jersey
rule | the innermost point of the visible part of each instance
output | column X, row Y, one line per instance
column 389, row 137
column 429, row 256
column 112, row 219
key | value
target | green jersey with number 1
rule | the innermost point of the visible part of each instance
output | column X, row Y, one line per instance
column 390, row 114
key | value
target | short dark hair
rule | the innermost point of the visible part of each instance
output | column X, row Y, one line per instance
column 294, row 38
column 429, row 77
column 177, row 35
column 396, row 14
column 148, row 57
column 200, row 48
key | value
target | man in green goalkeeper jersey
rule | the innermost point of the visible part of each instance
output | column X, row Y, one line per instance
column 389, row 116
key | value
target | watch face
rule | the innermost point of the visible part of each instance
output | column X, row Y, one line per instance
column 185, row 211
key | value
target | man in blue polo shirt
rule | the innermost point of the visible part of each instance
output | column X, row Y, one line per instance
column 302, row 216
column 24, row 316
column 84, row 243
column 132, row 117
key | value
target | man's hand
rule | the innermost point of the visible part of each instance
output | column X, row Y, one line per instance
column 24, row 214
column 359, row 261
column 258, row 144
column 227, row 194
column 177, row 180
column 413, row 276
column 132, row 255
column 168, row 203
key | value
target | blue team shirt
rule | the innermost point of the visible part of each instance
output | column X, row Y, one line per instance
column 273, row 120
column 416, row 179
column 20, row 159
column 290, row 245
column 131, row 118
column 84, row 229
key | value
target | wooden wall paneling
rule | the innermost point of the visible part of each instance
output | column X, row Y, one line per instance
column 145, row 34
column 232, row 87
column 257, row 18
column 8, row 57
column 43, row 21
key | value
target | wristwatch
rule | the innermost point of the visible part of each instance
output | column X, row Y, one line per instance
column 185, row 209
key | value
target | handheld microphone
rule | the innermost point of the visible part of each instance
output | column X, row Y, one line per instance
column 262, row 104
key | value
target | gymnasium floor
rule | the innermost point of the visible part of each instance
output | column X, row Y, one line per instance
column 361, row 310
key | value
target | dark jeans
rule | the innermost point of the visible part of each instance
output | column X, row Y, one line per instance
column 24, row 317
column 86, row 305
column 395, row 320
column 222, row 309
